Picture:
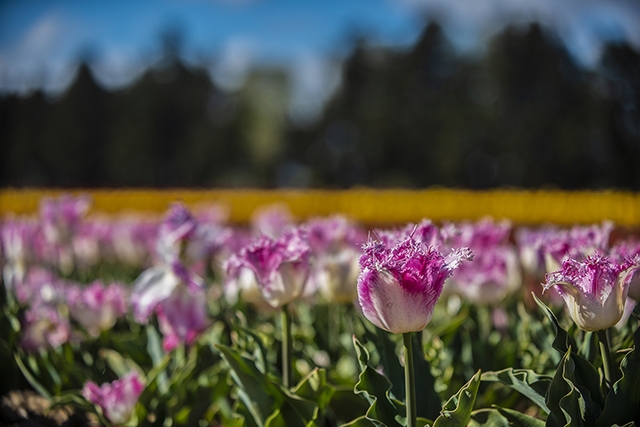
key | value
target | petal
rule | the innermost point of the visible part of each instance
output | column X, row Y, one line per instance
column 390, row 307
column 153, row 286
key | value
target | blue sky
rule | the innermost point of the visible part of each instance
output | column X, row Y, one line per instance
column 40, row 41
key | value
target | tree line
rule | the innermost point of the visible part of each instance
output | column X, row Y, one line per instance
column 521, row 114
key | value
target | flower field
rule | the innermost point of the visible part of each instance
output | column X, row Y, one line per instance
column 191, row 314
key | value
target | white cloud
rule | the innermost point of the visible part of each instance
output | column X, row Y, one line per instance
column 582, row 24
column 35, row 59
column 42, row 35
column 314, row 79
column 234, row 63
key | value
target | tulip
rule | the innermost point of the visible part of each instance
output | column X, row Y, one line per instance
column 40, row 286
column 281, row 269
column 97, row 307
column 132, row 239
column 272, row 221
column 177, row 296
column 118, row 399
column 15, row 236
column 577, row 243
column 629, row 248
column 177, row 228
column 594, row 289
column 44, row 328
column 171, row 289
column 398, row 288
column 60, row 219
column 335, row 243
column 595, row 292
column 494, row 272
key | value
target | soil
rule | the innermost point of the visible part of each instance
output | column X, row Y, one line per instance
column 21, row 408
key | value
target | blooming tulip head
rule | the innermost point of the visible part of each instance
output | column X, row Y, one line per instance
column 61, row 216
column 494, row 272
column 577, row 243
column 272, row 221
column 97, row 307
column 629, row 248
column 177, row 227
column 117, row 399
column 44, row 327
column 15, row 236
column 594, row 289
column 399, row 285
column 335, row 243
column 281, row 267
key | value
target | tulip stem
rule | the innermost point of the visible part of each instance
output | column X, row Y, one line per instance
column 409, row 381
column 286, row 346
column 607, row 361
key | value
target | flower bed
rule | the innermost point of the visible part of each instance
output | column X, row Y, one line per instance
column 187, row 318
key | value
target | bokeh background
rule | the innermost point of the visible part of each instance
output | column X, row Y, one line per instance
column 320, row 94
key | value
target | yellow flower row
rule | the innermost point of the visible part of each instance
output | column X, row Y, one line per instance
column 367, row 205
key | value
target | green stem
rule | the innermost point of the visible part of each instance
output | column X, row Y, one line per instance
column 610, row 372
column 409, row 381
column 286, row 346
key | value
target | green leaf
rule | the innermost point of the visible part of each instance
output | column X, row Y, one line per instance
column 427, row 399
column 346, row 405
column 623, row 401
column 117, row 363
column 562, row 341
column 375, row 388
column 524, row 381
column 294, row 412
column 386, row 349
column 587, row 377
column 314, row 387
column 255, row 391
column 261, row 351
column 31, row 379
column 518, row 419
column 362, row 421
column 457, row 411
column 154, row 347
column 487, row 418
column 568, row 407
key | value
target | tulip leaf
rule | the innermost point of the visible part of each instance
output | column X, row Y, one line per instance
column 587, row 378
column 562, row 341
column 314, row 387
column 568, row 403
column 346, row 405
column 623, row 401
column 118, row 364
column 31, row 379
column 155, row 351
column 362, row 421
column 518, row 419
column 386, row 349
column 255, row 391
column 293, row 412
column 428, row 400
column 260, row 352
column 375, row 388
column 457, row 411
column 487, row 418
column 524, row 381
